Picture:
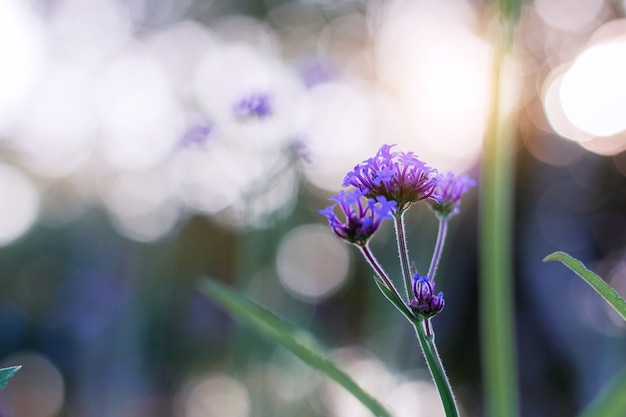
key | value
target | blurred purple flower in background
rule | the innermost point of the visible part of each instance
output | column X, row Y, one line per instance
column 255, row 105
column 316, row 70
column 197, row 135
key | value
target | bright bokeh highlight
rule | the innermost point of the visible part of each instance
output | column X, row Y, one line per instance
column 22, row 53
column 593, row 90
column 20, row 204
column 213, row 395
column 312, row 263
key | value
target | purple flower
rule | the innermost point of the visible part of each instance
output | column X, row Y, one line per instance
column 425, row 302
column 299, row 149
column 396, row 176
column 197, row 135
column 448, row 192
column 255, row 105
column 363, row 215
column 316, row 70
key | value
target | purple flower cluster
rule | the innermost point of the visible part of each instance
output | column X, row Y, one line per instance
column 425, row 302
column 255, row 105
column 395, row 175
column 389, row 183
column 448, row 192
column 363, row 215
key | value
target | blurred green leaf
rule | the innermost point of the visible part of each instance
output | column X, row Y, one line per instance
column 611, row 402
column 299, row 342
column 510, row 9
column 597, row 283
column 6, row 374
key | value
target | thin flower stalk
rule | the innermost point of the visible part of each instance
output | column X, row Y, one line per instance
column 403, row 252
column 441, row 238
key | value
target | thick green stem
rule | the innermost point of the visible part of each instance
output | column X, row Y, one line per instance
column 403, row 252
column 496, row 223
column 435, row 366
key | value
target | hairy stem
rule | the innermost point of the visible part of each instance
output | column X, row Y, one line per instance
column 441, row 237
column 427, row 342
column 403, row 252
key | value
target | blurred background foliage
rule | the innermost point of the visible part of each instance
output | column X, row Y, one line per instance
column 147, row 144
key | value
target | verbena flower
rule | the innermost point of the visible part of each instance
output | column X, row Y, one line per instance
column 448, row 192
column 317, row 70
column 197, row 135
column 255, row 105
column 363, row 215
column 398, row 176
column 425, row 302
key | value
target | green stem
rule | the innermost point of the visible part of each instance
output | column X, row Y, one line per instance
column 436, row 368
column 403, row 252
column 441, row 238
column 496, row 223
column 425, row 338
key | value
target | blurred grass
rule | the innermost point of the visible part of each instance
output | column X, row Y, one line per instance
column 496, row 235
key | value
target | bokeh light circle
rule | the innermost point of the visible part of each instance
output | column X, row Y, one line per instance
column 312, row 263
column 593, row 91
column 553, row 107
column 579, row 16
column 37, row 390
column 20, row 204
column 23, row 51
column 214, row 395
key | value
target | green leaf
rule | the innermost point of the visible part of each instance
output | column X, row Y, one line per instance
column 611, row 402
column 392, row 297
column 6, row 373
column 299, row 342
column 597, row 283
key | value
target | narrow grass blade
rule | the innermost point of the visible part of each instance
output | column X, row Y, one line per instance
column 6, row 374
column 496, row 207
column 611, row 402
column 597, row 283
column 299, row 342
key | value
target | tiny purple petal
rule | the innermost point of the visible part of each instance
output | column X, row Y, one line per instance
column 424, row 301
column 363, row 215
column 448, row 192
column 397, row 176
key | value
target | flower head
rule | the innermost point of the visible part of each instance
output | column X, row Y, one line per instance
column 256, row 105
column 425, row 302
column 398, row 176
column 363, row 215
column 448, row 192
